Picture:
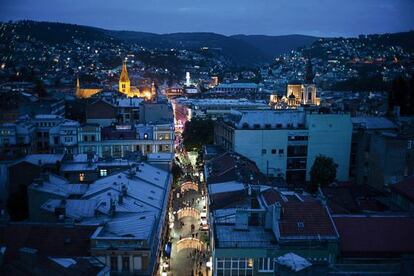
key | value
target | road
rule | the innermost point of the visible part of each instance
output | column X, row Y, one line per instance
column 189, row 235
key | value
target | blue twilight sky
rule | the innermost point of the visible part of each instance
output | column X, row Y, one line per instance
column 272, row 17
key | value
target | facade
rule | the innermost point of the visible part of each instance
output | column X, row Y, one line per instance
column 44, row 124
column 63, row 138
column 391, row 159
column 302, row 94
column 237, row 87
column 17, row 139
column 364, row 128
column 118, row 141
column 286, row 143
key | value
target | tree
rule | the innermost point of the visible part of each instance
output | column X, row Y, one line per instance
column 198, row 132
column 177, row 172
column 323, row 172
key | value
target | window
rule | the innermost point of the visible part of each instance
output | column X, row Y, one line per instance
column 81, row 177
column 264, row 151
column 273, row 151
column 234, row 266
column 266, row 265
column 114, row 263
column 103, row 172
column 145, row 136
column 281, row 151
column 92, row 137
column 85, row 138
column 125, row 263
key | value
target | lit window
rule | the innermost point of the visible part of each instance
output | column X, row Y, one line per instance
column 103, row 172
column 145, row 135
column 81, row 177
column 250, row 263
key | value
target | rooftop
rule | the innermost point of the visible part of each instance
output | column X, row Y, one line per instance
column 405, row 188
column 360, row 235
column 373, row 122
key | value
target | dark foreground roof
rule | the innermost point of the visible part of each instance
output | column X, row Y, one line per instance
column 55, row 240
column 405, row 188
column 376, row 236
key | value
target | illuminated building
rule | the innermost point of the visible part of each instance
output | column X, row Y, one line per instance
column 148, row 93
column 303, row 93
column 85, row 92
column 124, row 82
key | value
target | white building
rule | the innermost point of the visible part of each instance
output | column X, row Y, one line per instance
column 286, row 143
column 120, row 140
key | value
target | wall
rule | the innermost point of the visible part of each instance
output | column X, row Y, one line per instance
column 330, row 135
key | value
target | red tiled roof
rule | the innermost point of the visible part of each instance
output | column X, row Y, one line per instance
column 349, row 198
column 271, row 196
column 230, row 166
column 364, row 236
column 308, row 218
column 301, row 217
column 405, row 188
column 50, row 239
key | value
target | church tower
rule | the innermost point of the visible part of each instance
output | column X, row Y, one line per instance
column 124, row 83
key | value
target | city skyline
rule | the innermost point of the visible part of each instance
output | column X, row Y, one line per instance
column 319, row 18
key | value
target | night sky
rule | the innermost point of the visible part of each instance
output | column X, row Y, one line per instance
column 272, row 17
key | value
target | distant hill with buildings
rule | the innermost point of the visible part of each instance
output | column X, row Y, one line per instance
column 245, row 50
column 240, row 49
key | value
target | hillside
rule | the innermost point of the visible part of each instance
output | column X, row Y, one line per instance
column 272, row 46
column 241, row 50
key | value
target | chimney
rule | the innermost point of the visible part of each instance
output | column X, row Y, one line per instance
column 112, row 208
column 242, row 220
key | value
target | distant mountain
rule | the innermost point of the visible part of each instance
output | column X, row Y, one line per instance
column 273, row 46
column 240, row 49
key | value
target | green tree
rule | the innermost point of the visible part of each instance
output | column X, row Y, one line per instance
column 198, row 132
column 323, row 172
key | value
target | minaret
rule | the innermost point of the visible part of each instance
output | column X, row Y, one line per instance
column 124, row 83
column 153, row 90
column 187, row 79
